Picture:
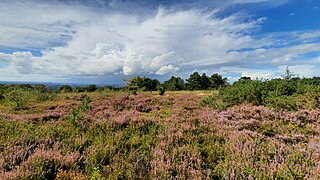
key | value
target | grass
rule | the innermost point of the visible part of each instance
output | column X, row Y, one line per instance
column 147, row 136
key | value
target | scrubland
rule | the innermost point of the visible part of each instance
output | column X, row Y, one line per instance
column 179, row 135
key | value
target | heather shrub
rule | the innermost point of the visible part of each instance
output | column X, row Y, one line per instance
column 129, row 152
column 152, row 137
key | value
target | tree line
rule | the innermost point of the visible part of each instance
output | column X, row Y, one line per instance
column 194, row 82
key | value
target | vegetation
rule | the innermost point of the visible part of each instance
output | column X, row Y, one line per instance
column 247, row 130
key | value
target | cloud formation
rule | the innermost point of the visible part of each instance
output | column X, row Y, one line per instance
column 78, row 41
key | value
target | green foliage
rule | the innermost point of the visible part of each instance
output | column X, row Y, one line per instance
column 19, row 98
column 78, row 114
column 213, row 102
column 174, row 84
column 142, row 83
column 205, row 82
column 242, row 91
column 65, row 89
column 194, row 82
column 281, row 102
column 42, row 93
column 161, row 90
column 217, row 81
column 96, row 174
column 288, row 94
column 1, row 96
column 89, row 88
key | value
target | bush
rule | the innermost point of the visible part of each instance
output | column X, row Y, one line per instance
column 65, row 89
column 42, row 93
column 1, row 96
column 19, row 98
column 282, row 102
column 213, row 102
column 77, row 115
column 244, row 91
column 161, row 90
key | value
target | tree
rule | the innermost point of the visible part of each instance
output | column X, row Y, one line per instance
column 288, row 75
column 174, row 84
column 205, row 82
column 194, row 82
column 217, row 81
column 245, row 78
column 142, row 83
column 41, row 88
column 91, row 88
column 65, row 89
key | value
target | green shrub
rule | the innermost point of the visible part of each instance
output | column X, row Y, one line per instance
column 19, row 98
column 77, row 115
column 213, row 102
column 161, row 90
column 282, row 102
column 65, row 89
column 242, row 91
column 1, row 96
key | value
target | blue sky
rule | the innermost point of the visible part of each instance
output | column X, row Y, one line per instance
column 106, row 41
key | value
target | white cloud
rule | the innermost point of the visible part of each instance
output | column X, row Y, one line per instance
column 120, row 43
column 292, row 14
column 77, row 41
column 302, row 70
column 310, row 35
column 258, row 75
column 167, row 69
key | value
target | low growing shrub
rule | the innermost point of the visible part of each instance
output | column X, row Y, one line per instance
column 77, row 115
column 19, row 98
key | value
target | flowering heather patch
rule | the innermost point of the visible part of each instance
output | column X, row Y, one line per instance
column 148, row 136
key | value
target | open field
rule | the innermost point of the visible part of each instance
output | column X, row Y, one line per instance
column 121, row 136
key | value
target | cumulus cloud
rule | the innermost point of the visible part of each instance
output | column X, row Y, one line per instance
column 159, row 44
column 167, row 69
column 78, row 41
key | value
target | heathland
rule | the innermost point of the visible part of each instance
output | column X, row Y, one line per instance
column 250, row 129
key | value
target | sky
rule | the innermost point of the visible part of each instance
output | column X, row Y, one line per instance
column 106, row 41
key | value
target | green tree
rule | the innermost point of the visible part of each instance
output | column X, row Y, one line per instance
column 142, row 83
column 217, row 81
column 92, row 88
column 205, row 82
column 245, row 78
column 194, row 82
column 65, row 89
column 174, row 84
column 288, row 74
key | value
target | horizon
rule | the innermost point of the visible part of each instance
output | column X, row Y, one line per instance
column 106, row 41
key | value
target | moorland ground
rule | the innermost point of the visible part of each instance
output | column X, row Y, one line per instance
column 118, row 135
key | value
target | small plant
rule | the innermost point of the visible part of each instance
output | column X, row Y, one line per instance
column 77, row 115
column 96, row 174
column 161, row 90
